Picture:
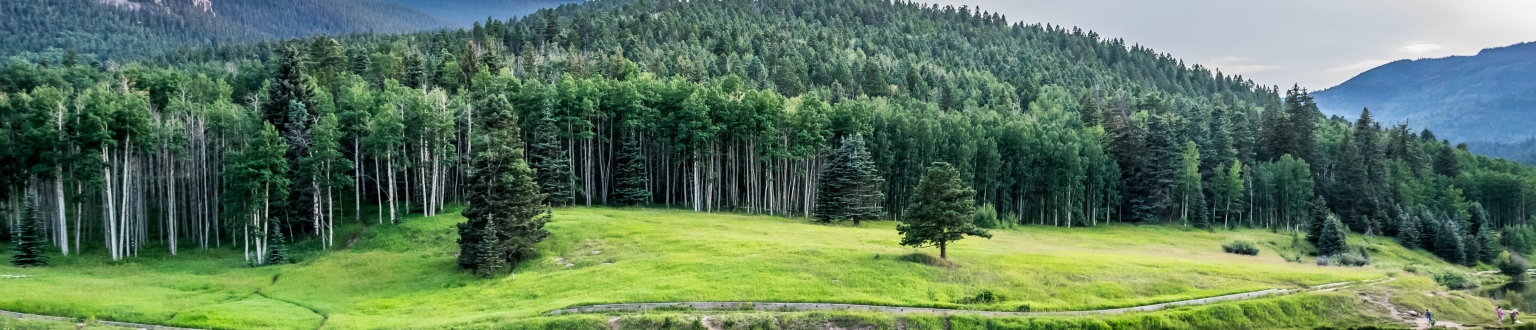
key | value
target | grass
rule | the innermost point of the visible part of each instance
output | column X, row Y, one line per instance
column 405, row 275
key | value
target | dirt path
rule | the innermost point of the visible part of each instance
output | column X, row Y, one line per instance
column 23, row 316
column 801, row 307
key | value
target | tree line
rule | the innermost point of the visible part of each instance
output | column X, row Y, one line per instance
column 681, row 106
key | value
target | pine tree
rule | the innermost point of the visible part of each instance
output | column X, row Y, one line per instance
column 501, row 194
column 1487, row 245
column 630, row 186
column 1331, row 240
column 849, row 186
column 1408, row 230
column 1317, row 218
column 551, row 164
column 940, row 211
column 1350, row 186
column 1449, row 243
column 874, row 80
column 487, row 262
column 277, row 247
column 31, row 244
column 415, row 76
column 1429, row 229
column 1090, row 111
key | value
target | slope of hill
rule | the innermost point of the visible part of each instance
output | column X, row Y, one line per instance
column 403, row 276
column 463, row 13
column 1489, row 97
column 132, row 28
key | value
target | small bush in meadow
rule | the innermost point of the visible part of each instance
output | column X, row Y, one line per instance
column 984, row 297
column 1242, row 247
column 1513, row 265
column 1351, row 260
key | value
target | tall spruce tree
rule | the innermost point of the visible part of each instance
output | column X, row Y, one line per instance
column 1408, row 230
column 1331, row 240
column 501, row 194
column 551, row 164
column 630, row 186
column 30, row 241
column 290, row 107
column 1449, row 243
column 849, row 186
column 940, row 211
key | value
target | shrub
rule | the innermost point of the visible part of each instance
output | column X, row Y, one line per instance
column 1242, row 247
column 986, row 216
column 1455, row 280
column 1351, row 259
column 984, row 297
column 1514, row 266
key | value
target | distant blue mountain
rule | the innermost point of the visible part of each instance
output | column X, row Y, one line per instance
column 464, row 13
column 1489, row 97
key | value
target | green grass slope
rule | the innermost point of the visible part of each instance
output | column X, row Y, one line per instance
column 405, row 275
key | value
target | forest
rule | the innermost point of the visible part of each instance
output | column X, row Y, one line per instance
column 711, row 106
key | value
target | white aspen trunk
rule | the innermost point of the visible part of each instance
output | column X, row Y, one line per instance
column 357, row 187
column 111, row 216
column 390, row 162
column 58, row 192
column 170, row 206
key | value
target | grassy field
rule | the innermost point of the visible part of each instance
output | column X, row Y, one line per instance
column 405, row 275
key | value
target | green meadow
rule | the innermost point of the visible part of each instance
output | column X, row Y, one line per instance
column 405, row 275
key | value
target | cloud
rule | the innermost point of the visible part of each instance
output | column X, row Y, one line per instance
column 1420, row 48
column 1238, row 65
column 1357, row 66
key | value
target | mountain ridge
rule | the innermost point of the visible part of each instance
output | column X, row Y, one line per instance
column 1484, row 97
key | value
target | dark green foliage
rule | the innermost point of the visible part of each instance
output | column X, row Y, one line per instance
column 986, row 216
column 551, row 163
column 30, row 244
column 1408, row 233
column 126, row 29
column 1317, row 219
column 277, row 247
column 849, row 187
column 502, row 194
column 940, row 211
column 1519, row 239
column 1487, row 245
column 630, row 183
column 1445, row 161
column 482, row 256
column 1331, row 240
column 1450, row 243
column 1242, row 247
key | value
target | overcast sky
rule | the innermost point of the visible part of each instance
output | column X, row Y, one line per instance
column 1317, row 43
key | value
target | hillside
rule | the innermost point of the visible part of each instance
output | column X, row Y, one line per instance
column 403, row 276
column 126, row 29
column 1489, row 97
column 229, row 185
column 463, row 13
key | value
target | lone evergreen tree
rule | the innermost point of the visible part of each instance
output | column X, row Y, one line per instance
column 940, row 211
column 501, row 194
column 849, row 187
column 551, row 163
column 1332, row 240
column 630, row 182
column 277, row 247
column 30, row 242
